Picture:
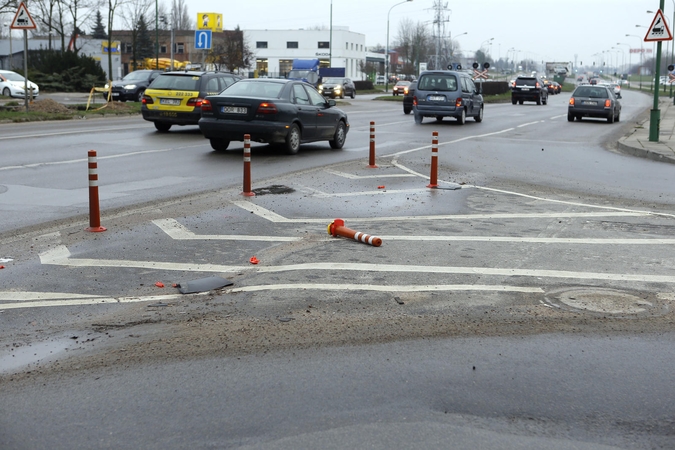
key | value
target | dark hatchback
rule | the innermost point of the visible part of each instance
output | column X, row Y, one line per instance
column 132, row 86
column 337, row 87
column 594, row 101
column 283, row 113
column 529, row 89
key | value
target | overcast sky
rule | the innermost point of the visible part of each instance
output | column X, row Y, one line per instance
column 549, row 30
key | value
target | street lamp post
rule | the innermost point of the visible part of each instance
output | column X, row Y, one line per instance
column 386, row 52
column 641, row 52
column 156, row 34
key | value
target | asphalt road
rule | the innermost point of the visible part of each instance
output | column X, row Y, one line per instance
column 542, row 239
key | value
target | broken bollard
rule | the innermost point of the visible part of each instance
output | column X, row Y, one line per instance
column 337, row 228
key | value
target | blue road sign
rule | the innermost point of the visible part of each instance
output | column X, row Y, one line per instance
column 203, row 39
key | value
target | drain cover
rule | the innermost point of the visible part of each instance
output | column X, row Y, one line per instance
column 605, row 301
column 274, row 189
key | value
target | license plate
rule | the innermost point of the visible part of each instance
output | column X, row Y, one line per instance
column 169, row 101
column 524, row 89
column 115, row 94
column 436, row 98
column 587, row 102
column 233, row 110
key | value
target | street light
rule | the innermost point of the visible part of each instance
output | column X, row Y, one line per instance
column 641, row 52
column 386, row 52
column 629, row 56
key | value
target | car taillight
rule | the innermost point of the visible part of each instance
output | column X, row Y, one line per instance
column 608, row 103
column 206, row 106
column 195, row 102
column 415, row 100
column 267, row 108
column 147, row 100
column 571, row 101
column 458, row 103
column 537, row 85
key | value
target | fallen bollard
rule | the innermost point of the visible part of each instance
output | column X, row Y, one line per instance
column 337, row 228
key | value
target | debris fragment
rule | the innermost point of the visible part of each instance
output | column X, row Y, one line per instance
column 254, row 260
column 159, row 304
column 203, row 285
column 159, row 284
column 399, row 301
column 380, row 187
column 6, row 260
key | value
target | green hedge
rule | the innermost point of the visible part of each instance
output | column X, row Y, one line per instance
column 65, row 71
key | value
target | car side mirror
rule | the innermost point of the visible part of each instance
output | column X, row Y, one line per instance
column 331, row 103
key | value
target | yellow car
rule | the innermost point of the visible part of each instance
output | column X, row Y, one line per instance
column 175, row 98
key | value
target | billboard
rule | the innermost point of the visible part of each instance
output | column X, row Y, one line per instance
column 210, row 21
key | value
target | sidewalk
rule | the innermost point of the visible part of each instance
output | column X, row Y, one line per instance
column 637, row 142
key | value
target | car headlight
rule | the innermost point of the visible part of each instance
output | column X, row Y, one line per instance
column 338, row 88
column 130, row 86
column 321, row 87
column 107, row 86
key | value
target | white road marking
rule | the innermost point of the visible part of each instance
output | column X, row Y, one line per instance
column 476, row 136
column 557, row 117
column 529, row 123
column 389, row 288
column 362, row 177
column 37, row 299
column 63, row 133
column 178, row 232
column 61, row 256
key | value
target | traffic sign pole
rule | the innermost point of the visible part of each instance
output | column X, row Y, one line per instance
column 658, row 32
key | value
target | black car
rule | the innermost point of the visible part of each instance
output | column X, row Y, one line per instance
column 594, row 101
column 529, row 89
column 408, row 96
column 283, row 113
column 175, row 98
column 132, row 86
column 337, row 87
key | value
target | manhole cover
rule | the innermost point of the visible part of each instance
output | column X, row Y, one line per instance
column 606, row 301
column 275, row 189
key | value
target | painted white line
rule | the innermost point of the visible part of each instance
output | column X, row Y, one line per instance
column 81, row 160
column 63, row 133
column 448, row 142
column 557, row 117
column 276, row 218
column 26, row 296
column 76, row 299
column 529, row 123
column 533, row 240
column 178, row 232
column 363, row 177
column 61, row 256
column 389, row 288
column 377, row 192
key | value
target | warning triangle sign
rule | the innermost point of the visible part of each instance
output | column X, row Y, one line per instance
column 22, row 19
column 658, row 31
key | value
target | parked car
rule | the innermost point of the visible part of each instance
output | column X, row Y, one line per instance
column 379, row 79
column 447, row 93
column 337, row 87
column 529, row 89
column 400, row 86
column 132, row 86
column 408, row 95
column 593, row 101
column 284, row 113
column 13, row 84
column 175, row 98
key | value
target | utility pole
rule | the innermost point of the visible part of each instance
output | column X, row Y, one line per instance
column 439, row 24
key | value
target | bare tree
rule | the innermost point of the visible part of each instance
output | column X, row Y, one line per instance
column 230, row 51
column 180, row 17
column 413, row 43
column 8, row 6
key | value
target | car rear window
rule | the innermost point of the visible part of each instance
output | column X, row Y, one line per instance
column 437, row 82
column 526, row 82
column 246, row 88
column 176, row 82
column 591, row 92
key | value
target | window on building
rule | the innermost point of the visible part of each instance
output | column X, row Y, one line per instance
column 261, row 67
column 324, row 44
column 261, row 44
column 128, row 48
column 346, row 45
column 162, row 49
column 352, row 46
column 285, row 66
column 180, row 48
column 292, row 44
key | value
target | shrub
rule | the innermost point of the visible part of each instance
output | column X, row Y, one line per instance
column 65, row 71
column 363, row 85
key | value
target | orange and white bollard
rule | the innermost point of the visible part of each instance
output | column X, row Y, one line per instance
column 94, row 210
column 337, row 228
column 371, row 159
column 433, row 178
column 247, row 166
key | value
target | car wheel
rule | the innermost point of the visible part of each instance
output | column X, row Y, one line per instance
column 610, row 118
column 545, row 100
column 342, row 94
column 139, row 95
column 618, row 116
column 353, row 94
column 513, row 101
column 292, row 144
column 418, row 118
column 570, row 117
column 6, row 92
column 479, row 117
column 539, row 100
column 439, row 118
column 406, row 110
column 219, row 145
column 162, row 126
column 462, row 117
column 339, row 137
column 520, row 102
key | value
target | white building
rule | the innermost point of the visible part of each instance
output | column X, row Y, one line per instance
column 275, row 49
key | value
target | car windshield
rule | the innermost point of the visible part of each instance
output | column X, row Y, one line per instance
column 591, row 92
column 12, row 76
column 176, row 82
column 133, row 76
column 440, row 82
column 333, row 81
column 250, row 88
